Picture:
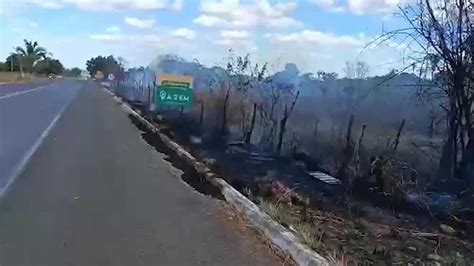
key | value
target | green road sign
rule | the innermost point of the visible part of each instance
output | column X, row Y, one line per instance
column 171, row 96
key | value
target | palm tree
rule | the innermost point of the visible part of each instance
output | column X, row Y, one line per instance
column 30, row 54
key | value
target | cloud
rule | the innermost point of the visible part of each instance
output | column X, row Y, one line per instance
column 104, row 5
column 332, row 5
column 106, row 37
column 316, row 37
column 313, row 50
column 177, row 5
column 375, row 6
column 33, row 24
column 238, row 40
column 184, row 33
column 266, row 29
column 320, row 55
column 234, row 34
column 238, row 45
column 209, row 21
column 362, row 7
column 231, row 14
column 113, row 29
column 326, row 3
column 125, row 39
column 46, row 3
column 139, row 23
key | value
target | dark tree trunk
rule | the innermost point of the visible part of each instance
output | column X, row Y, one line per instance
column 349, row 131
column 399, row 134
column 201, row 116
column 358, row 153
column 447, row 162
column 286, row 114
column 348, row 151
column 224, row 113
column 281, row 133
column 248, row 136
column 469, row 162
column 316, row 127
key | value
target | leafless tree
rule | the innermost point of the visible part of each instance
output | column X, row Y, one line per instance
column 440, row 39
column 270, row 97
column 245, row 76
column 288, row 109
column 356, row 69
column 399, row 134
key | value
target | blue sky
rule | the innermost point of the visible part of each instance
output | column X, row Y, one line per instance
column 314, row 34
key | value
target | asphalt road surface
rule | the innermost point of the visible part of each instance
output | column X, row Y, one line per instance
column 8, row 88
column 26, row 111
column 94, row 193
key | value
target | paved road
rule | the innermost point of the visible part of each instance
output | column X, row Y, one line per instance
column 95, row 193
column 8, row 88
column 26, row 111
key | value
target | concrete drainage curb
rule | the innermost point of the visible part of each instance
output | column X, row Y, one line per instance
column 275, row 232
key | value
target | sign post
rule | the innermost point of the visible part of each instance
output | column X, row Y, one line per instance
column 174, row 91
column 99, row 75
column 168, row 96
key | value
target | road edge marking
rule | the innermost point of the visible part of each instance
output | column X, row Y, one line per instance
column 13, row 94
column 29, row 154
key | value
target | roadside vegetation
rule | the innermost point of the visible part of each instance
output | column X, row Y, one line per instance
column 31, row 60
column 363, row 169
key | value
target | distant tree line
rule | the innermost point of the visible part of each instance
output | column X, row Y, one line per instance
column 34, row 59
column 106, row 65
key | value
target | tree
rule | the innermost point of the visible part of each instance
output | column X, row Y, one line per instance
column 361, row 69
column 12, row 62
column 107, row 65
column 326, row 79
column 4, row 67
column 443, row 34
column 75, row 72
column 244, row 77
column 49, row 66
column 270, row 101
column 355, row 71
column 349, row 70
column 30, row 54
column 288, row 109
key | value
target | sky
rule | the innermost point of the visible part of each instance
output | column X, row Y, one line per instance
column 313, row 34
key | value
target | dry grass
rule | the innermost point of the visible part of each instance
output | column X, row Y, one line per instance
column 244, row 227
column 336, row 260
column 14, row 77
column 282, row 214
column 310, row 236
column 354, row 242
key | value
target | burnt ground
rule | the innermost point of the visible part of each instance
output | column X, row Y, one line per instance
column 367, row 230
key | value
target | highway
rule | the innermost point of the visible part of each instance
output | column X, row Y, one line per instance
column 26, row 112
column 95, row 193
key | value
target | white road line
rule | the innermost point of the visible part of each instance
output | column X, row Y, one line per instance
column 20, row 166
column 22, row 92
